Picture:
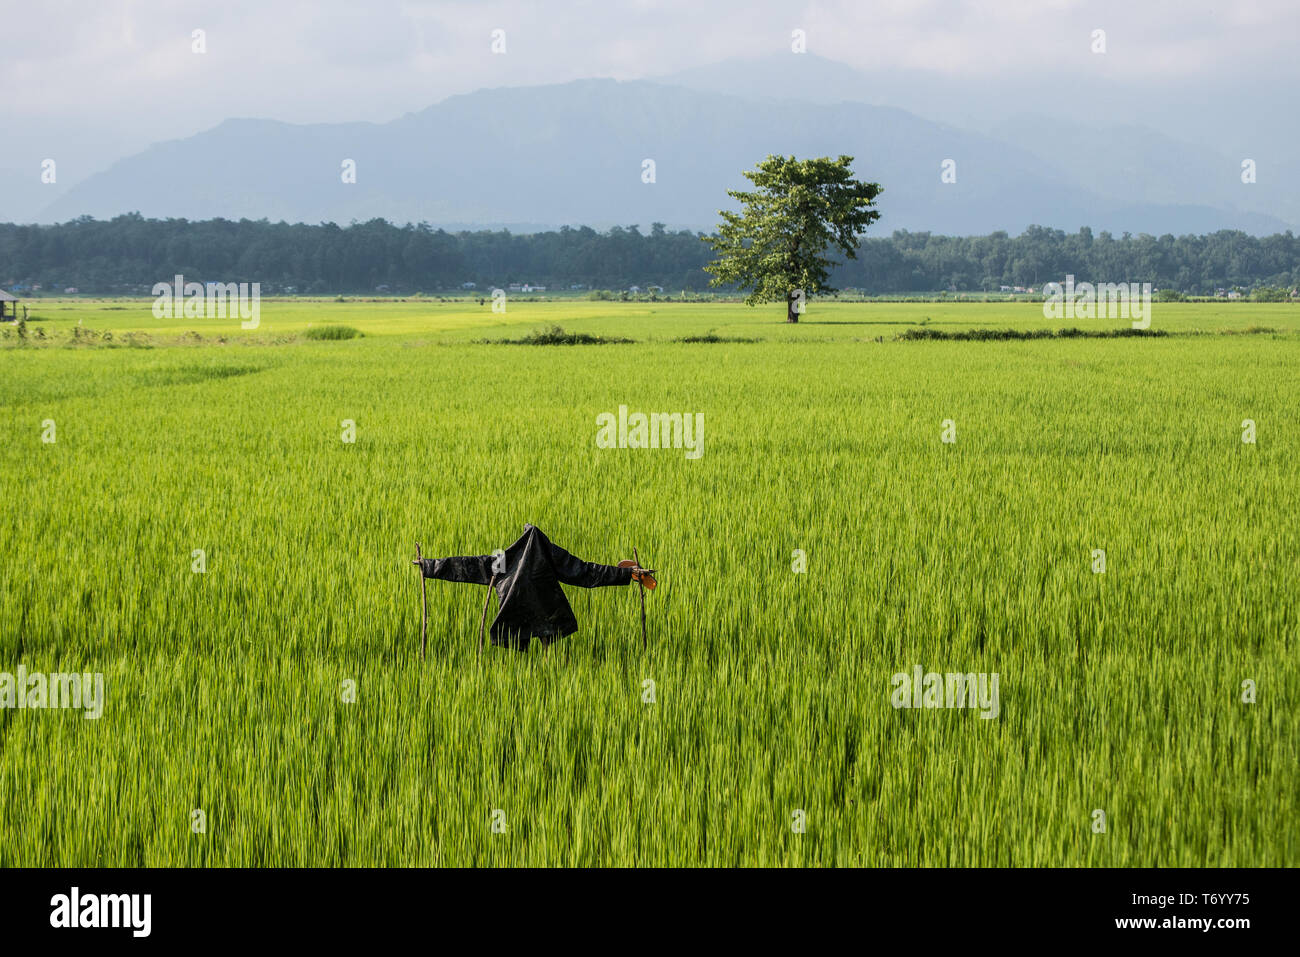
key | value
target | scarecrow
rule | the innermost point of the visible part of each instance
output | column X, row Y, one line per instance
column 526, row 577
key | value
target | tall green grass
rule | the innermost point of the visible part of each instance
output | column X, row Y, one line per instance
column 331, row 332
column 1119, row 691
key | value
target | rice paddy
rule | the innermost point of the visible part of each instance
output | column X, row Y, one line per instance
column 185, row 514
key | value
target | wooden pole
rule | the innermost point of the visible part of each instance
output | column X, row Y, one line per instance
column 482, row 622
column 642, row 584
column 424, row 605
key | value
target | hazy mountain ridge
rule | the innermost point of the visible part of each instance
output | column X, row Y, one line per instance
column 572, row 154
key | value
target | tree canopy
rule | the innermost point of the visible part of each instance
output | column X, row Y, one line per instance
column 779, row 244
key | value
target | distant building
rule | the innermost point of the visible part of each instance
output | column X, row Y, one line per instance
column 8, row 307
column 1234, row 295
column 531, row 288
column 469, row 285
column 634, row 289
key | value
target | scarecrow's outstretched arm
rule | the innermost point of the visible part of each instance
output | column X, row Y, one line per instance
column 474, row 569
column 574, row 571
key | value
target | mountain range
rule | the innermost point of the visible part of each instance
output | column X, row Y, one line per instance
column 538, row 157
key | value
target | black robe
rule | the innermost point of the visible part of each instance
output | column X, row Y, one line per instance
column 532, row 604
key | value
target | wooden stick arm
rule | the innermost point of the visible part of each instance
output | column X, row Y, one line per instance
column 424, row 607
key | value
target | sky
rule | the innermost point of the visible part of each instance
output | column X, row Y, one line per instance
column 90, row 81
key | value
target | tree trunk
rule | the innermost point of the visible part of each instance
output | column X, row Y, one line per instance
column 791, row 308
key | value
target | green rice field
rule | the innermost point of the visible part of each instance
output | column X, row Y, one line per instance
column 183, row 513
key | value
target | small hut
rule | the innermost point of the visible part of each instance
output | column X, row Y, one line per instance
column 8, row 307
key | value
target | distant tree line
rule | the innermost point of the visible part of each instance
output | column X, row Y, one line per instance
column 129, row 253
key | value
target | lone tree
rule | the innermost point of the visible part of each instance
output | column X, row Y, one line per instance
column 799, row 211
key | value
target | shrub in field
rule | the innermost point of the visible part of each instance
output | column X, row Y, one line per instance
column 980, row 335
column 1123, row 333
column 710, row 337
column 556, row 336
column 332, row 332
